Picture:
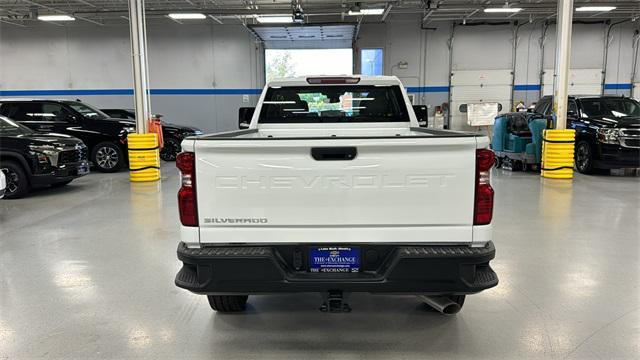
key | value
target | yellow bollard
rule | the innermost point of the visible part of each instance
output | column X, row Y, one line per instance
column 144, row 157
column 557, row 153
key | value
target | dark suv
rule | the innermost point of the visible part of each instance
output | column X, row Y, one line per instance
column 105, row 137
column 30, row 159
column 172, row 134
column 607, row 130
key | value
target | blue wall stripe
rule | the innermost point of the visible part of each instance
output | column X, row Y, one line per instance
column 206, row 91
column 618, row 86
column 78, row 92
column 65, row 92
column 427, row 89
column 527, row 87
column 129, row 92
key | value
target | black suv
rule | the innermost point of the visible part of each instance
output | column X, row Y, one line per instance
column 171, row 133
column 105, row 137
column 30, row 159
column 607, row 130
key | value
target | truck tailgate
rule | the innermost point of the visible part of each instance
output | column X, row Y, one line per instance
column 405, row 190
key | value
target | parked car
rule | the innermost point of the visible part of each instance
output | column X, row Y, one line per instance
column 32, row 159
column 607, row 130
column 172, row 134
column 105, row 137
column 338, row 195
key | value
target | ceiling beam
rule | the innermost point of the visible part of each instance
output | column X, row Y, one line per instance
column 386, row 12
column 11, row 23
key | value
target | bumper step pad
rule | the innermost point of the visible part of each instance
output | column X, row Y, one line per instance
column 404, row 269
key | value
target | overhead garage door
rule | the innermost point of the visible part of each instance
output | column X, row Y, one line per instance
column 581, row 82
column 476, row 86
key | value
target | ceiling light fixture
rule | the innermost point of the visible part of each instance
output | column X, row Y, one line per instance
column 55, row 18
column 187, row 16
column 274, row 19
column 356, row 12
column 595, row 8
column 502, row 10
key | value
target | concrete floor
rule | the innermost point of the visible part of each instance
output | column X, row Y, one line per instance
column 87, row 272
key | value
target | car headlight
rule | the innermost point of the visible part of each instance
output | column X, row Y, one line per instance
column 46, row 154
column 198, row 132
column 608, row 136
column 130, row 129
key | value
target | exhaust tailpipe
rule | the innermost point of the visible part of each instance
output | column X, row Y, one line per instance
column 442, row 304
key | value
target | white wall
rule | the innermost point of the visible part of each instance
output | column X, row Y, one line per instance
column 49, row 57
column 487, row 47
column 226, row 56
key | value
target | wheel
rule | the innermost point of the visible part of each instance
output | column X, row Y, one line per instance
column 61, row 183
column 170, row 149
column 584, row 157
column 17, row 180
column 228, row 303
column 107, row 157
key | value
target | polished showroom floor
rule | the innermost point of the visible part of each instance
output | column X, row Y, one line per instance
column 87, row 271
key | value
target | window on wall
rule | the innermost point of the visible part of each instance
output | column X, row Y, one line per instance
column 371, row 62
column 280, row 63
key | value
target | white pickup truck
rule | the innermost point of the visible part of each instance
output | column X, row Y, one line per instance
column 335, row 189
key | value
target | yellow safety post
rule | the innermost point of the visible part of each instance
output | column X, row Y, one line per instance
column 557, row 153
column 144, row 157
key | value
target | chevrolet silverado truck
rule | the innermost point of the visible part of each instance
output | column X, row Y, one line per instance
column 334, row 189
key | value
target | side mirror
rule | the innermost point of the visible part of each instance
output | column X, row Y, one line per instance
column 499, row 107
column 422, row 114
column 71, row 118
column 462, row 108
column 244, row 117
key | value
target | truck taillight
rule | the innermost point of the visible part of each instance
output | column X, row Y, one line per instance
column 186, row 163
column 483, row 210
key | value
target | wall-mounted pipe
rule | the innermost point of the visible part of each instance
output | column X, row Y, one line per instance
column 450, row 44
column 605, row 52
column 543, row 39
column 516, row 29
column 634, row 61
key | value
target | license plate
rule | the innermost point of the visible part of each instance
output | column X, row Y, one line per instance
column 83, row 169
column 334, row 259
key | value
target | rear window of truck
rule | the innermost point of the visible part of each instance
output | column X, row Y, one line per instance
column 334, row 104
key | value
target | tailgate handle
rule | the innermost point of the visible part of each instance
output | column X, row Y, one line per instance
column 334, row 153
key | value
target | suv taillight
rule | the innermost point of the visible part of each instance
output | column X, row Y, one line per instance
column 186, row 163
column 483, row 209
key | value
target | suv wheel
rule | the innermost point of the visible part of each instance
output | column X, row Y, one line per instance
column 584, row 157
column 170, row 149
column 107, row 157
column 228, row 303
column 17, row 181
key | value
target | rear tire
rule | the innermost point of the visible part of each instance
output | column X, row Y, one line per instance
column 170, row 149
column 16, row 178
column 228, row 303
column 107, row 157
